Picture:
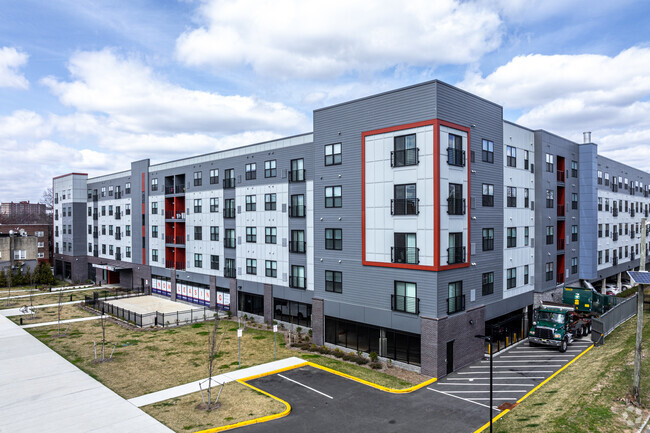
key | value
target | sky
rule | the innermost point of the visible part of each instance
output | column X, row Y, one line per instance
column 89, row 85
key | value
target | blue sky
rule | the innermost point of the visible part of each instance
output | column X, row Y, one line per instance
column 92, row 85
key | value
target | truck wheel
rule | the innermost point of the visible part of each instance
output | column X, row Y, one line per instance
column 563, row 346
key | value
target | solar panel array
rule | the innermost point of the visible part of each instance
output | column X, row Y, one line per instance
column 640, row 277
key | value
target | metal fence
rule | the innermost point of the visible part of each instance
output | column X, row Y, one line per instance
column 184, row 317
column 606, row 323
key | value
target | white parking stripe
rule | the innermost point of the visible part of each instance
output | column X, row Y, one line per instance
column 511, row 371
column 495, row 398
column 536, row 356
column 499, row 378
column 511, row 361
column 487, row 390
column 485, row 384
column 310, row 388
column 461, row 398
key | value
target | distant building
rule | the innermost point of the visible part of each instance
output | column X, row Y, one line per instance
column 18, row 251
column 43, row 233
column 23, row 209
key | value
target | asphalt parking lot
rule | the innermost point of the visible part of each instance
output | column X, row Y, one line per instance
column 459, row 402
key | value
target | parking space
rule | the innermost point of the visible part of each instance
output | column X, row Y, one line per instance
column 515, row 373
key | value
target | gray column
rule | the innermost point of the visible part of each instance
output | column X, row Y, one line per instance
column 213, row 292
column 603, row 286
column 618, row 281
column 234, row 306
column 173, row 279
column 318, row 321
column 268, row 303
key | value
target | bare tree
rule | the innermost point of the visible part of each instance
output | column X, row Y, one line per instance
column 47, row 198
column 59, row 308
column 214, row 343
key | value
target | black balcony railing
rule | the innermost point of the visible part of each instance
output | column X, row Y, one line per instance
column 118, row 236
column 560, row 244
column 229, row 182
column 410, row 255
column 632, row 255
column 296, row 175
column 405, row 304
column 250, row 175
column 455, row 206
column 614, row 187
column 297, row 282
column 229, row 242
column 95, row 217
column 297, row 246
column 179, row 189
column 615, row 261
column 615, row 211
column 118, row 256
column 118, row 216
column 455, row 304
column 615, row 236
column 401, row 158
column 169, row 239
column 180, row 240
column 169, row 264
column 169, row 190
column 180, row 265
column 560, row 210
column 455, row 157
column 95, row 197
column 405, row 206
column 632, row 212
column 560, row 176
column 95, row 235
column 230, row 272
column 455, row 255
column 297, row 211
column 229, row 212
column 632, row 235
column 95, row 253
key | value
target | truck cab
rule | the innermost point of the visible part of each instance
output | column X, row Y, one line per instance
column 551, row 327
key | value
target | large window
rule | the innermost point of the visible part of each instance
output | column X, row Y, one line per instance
column 526, row 160
column 251, row 234
column 487, row 283
column 251, row 171
column 297, row 278
column 293, row 312
column 269, row 202
column 526, row 274
column 511, row 237
column 456, row 299
column 333, row 239
column 574, row 262
column 455, row 153
column 487, row 154
column 526, row 197
column 549, row 235
column 405, row 248
column 511, row 196
column 229, row 208
column 251, row 203
column 297, row 208
column 333, row 196
column 270, row 168
column 574, row 200
column 214, row 204
column 405, row 201
column 456, row 250
column 405, row 298
column 549, row 271
column 154, row 208
column 488, row 239
column 271, row 268
column 154, row 185
column 229, row 178
column 154, row 231
column 214, row 262
column 549, row 163
column 574, row 233
column 550, row 197
column 511, row 278
column 334, row 281
column 574, row 170
column 455, row 202
column 297, row 243
column 198, row 260
column 198, row 178
column 404, row 151
column 230, row 271
column 154, row 255
column 198, row 233
column 229, row 238
column 251, row 266
column 214, row 233
column 198, row 205
column 297, row 172
column 270, row 235
column 488, row 195
column 250, row 303
column 511, row 156
column 333, row 154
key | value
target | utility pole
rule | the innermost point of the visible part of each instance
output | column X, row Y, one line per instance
column 636, row 388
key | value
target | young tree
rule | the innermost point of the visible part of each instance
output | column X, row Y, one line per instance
column 214, row 343
column 58, row 312
column 3, row 278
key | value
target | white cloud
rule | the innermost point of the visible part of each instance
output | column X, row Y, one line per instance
column 10, row 61
column 294, row 38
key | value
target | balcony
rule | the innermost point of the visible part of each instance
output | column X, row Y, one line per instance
column 230, row 272
column 297, row 282
column 297, row 211
column 169, row 264
column 229, row 212
column 615, row 211
column 455, row 255
column 95, row 235
column 560, row 278
column 297, row 247
column 250, row 175
column 179, row 240
column 95, row 197
column 405, row 304
column 229, row 183
column 560, row 210
column 455, row 206
column 406, row 157
column 118, row 216
column 615, row 261
column 118, row 236
column 615, row 236
column 296, row 175
column 229, row 242
column 118, row 256
column 409, row 255
column 95, row 217
column 405, row 206
column 180, row 265
column 455, row 304
column 560, row 176
column 179, row 189
column 560, row 244
column 169, row 190
column 455, row 157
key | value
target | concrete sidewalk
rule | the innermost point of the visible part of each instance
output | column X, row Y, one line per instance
column 53, row 291
column 80, row 319
column 16, row 311
column 44, row 392
column 191, row 387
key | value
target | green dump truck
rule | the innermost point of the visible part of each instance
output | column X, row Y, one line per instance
column 557, row 324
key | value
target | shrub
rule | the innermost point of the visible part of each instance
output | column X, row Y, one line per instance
column 299, row 330
column 361, row 360
column 373, row 356
column 338, row 353
column 375, row 365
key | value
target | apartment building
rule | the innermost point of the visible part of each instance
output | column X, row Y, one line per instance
column 407, row 223
column 18, row 251
column 23, row 209
column 42, row 232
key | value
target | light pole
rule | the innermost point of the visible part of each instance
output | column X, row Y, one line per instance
column 488, row 338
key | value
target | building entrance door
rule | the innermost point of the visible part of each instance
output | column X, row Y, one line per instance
column 450, row 356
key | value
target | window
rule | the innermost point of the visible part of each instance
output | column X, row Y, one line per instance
column 127, row 188
column 251, row 234
column 198, row 178
column 333, row 239
column 90, row 211
column 405, row 248
column 334, row 281
column 229, row 269
column 549, row 271
column 512, row 196
column 214, row 233
column 297, row 243
column 127, row 209
column 214, row 262
column 606, row 230
column 455, row 201
column 526, row 197
column 574, row 201
column 600, row 230
column 549, row 198
column 405, row 297
column 600, row 257
column 511, row 156
column 456, row 300
column 511, row 278
column 297, row 172
column 198, row 233
column 198, row 260
column 600, row 177
column 270, row 235
column 154, row 208
column 606, row 179
column 154, row 254
column 333, row 196
column 90, row 247
column 525, row 274
column 154, row 184
column 271, row 268
column 214, row 204
column 110, row 250
column 549, row 163
column 270, row 168
column 405, row 201
column 574, row 169
column 511, row 237
column 251, row 171
column 297, row 278
column 600, row 203
column 251, row 266
column 103, row 229
column 574, row 262
column 229, row 239
column 607, row 205
column 526, row 163
column 104, row 191
column 574, row 233
column 229, row 180
column 487, row 286
column 456, row 250
column 214, row 180
column 488, row 195
column 269, row 201
column 103, row 210
column 110, row 230
column 128, row 230
column 549, row 235
column 455, row 153
column 198, row 205
column 154, row 231
column 297, row 208
column 488, row 239
column 110, row 191
column 110, row 210
column 333, row 154
column 487, row 154
column 404, row 151
column 251, row 203
column 229, row 208
column 526, row 235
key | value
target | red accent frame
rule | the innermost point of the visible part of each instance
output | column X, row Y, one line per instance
column 70, row 174
column 436, row 123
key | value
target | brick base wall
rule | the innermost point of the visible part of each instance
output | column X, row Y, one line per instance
column 234, row 307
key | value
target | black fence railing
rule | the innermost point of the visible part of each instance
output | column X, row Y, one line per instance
column 455, row 255
column 297, row 282
column 455, row 206
column 401, row 158
column 455, row 157
column 405, row 206
column 297, row 246
column 229, row 182
column 297, row 211
column 296, row 175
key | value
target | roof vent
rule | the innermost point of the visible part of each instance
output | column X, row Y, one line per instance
column 586, row 137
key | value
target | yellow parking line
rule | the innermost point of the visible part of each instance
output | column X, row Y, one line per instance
column 486, row 425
